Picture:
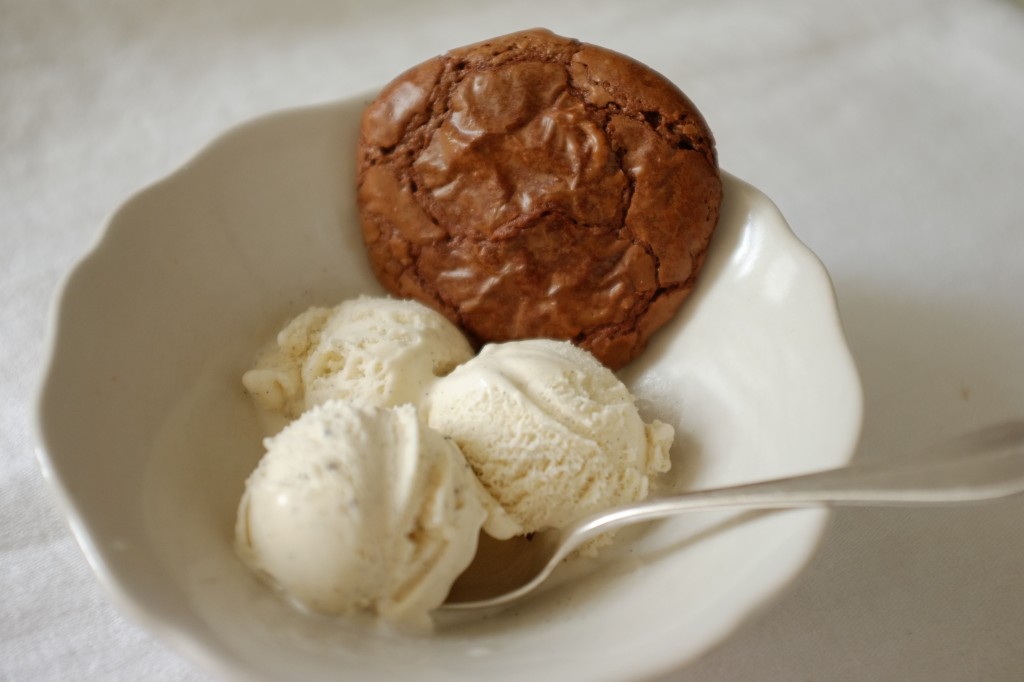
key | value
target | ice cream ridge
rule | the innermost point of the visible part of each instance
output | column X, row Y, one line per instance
column 536, row 208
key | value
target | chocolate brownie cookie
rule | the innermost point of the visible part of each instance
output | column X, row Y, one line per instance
column 535, row 186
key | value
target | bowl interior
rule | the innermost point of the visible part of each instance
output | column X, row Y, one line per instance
column 148, row 437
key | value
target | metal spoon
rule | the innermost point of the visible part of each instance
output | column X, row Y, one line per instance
column 981, row 465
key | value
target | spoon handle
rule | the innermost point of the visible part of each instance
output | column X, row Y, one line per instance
column 983, row 465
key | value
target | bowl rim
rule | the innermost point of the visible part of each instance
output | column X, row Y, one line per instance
column 193, row 648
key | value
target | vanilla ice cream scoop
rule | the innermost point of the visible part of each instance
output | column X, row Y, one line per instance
column 357, row 509
column 550, row 431
column 374, row 351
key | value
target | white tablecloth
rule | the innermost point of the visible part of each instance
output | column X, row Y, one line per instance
column 890, row 133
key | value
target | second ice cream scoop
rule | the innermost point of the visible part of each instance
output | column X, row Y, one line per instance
column 550, row 431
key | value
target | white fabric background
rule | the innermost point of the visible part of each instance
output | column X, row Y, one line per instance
column 889, row 133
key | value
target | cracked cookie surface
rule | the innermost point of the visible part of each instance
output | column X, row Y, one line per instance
column 533, row 186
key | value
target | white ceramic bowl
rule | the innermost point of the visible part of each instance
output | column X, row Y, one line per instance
column 147, row 437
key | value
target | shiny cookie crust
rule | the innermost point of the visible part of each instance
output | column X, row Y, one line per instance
column 533, row 186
